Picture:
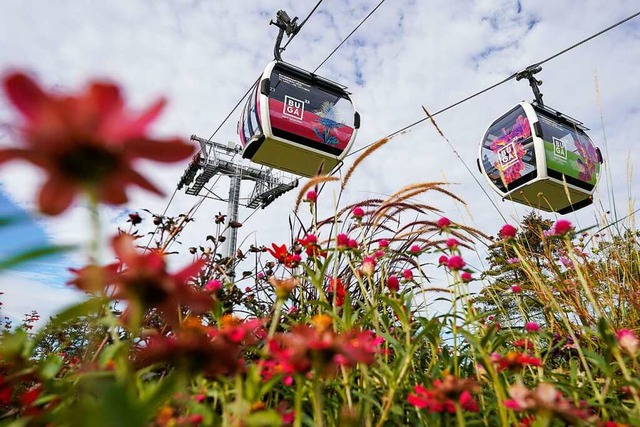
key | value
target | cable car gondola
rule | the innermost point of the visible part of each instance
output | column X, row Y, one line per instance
column 539, row 157
column 295, row 120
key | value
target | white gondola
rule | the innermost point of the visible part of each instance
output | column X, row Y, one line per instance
column 539, row 157
column 297, row 121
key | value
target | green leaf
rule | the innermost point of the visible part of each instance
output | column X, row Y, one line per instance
column 32, row 254
column 263, row 419
column 51, row 366
column 90, row 306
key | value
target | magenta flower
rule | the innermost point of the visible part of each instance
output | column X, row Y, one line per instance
column 444, row 222
column 443, row 260
column 628, row 341
column 213, row 285
column 466, row 276
column 357, row 212
column 452, row 243
column 456, row 263
column 393, row 284
column 407, row 274
column 508, row 231
column 516, row 289
column 562, row 227
column 342, row 240
column 513, row 260
column 415, row 249
column 352, row 244
column 532, row 327
column 384, row 243
column 311, row 197
column 379, row 253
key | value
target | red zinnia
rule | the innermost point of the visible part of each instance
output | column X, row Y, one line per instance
column 85, row 143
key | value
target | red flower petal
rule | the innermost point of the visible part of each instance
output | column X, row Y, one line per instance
column 25, row 94
column 56, row 195
column 167, row 151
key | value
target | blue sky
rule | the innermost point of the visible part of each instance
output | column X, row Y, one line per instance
column 204, row 55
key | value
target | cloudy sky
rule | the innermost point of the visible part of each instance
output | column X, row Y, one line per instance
column 203, row 56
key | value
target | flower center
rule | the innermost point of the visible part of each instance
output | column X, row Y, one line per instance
column 88, row 163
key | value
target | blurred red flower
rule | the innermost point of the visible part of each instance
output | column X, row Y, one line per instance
column 444, row 394
column 513, row 361
column 86, row 142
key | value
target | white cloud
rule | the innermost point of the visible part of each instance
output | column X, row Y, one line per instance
column 204, row 55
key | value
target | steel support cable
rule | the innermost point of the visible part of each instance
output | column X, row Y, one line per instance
column 511, row 77
column 349, row 35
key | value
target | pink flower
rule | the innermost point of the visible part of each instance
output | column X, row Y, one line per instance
column 393, row 284
column 342, row 240
column 452, row 243
column 515, row 260
column 532, row 327
column 456, row 263
column 407, row 274
column 415, row 249
column 368, row 265
column 562, row 227
column 379, row 253
column 357, row 212
column 628, row 341
column 384, row 243
column 516, row 289
column 312, row 196
column 508, row 231
column 352, row 244
column 466, row 276
column 443, row 260
column 260, row 275
column 444, row 222
column 213, row 285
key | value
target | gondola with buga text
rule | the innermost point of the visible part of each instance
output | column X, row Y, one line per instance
column 295, row 120
column 539, row 157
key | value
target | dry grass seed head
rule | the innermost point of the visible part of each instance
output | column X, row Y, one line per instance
column 373, row 147
column 312, row 183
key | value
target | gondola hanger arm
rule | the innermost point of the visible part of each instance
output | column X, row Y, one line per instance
column 287, row 26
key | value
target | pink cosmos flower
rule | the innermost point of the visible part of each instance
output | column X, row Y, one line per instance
column 508, row 231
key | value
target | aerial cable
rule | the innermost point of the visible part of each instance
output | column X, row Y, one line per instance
column 511, row 77
column 349, row 35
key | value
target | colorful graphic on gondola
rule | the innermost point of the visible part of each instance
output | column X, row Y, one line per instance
column 588, row 163
column 328, row 122
column 510, row 150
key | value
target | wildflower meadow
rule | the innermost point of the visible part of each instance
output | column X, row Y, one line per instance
column 333, row 327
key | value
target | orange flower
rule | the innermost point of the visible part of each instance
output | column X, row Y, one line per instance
column 85, row 143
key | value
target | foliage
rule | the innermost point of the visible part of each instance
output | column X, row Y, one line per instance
column 338, row 326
